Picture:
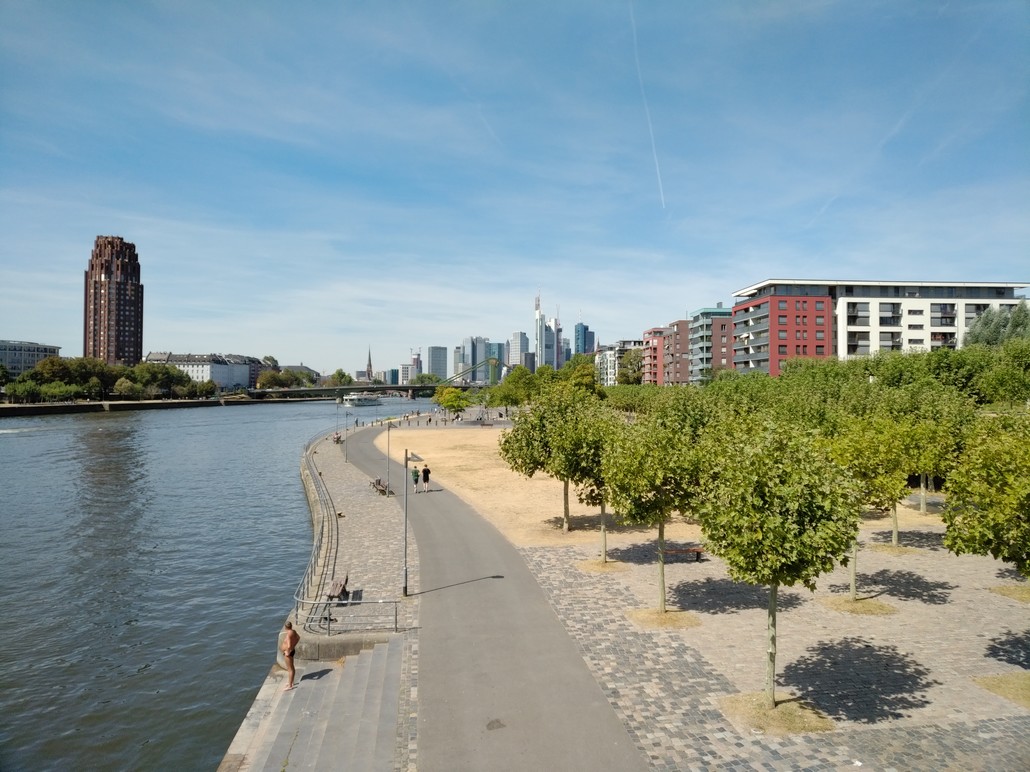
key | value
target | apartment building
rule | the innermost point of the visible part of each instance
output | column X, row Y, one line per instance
column 710, row 343
column 652, row 356
column 21, row 356
column 779, row 319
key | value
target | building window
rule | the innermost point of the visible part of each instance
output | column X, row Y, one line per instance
column 820, row 305
column 782, row 334
column 820, row 335
column 915, row 312
column 820, row 320
column 820, row 351
column 782, row 305
column 783, row 350
column 782, row 319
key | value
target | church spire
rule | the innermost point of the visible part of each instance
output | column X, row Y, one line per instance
column 368, row 367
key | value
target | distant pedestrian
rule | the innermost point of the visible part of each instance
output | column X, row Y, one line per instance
column 414, row 478
column 290, row 641
column 425, row 478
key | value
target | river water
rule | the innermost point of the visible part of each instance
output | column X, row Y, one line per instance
column 147, row 561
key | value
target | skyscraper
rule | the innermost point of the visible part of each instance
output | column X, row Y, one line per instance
column 113, row 309
column 583, row 340
column 438, row 362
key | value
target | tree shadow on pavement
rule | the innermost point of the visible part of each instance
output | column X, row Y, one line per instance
column 1011, row 647
column 592, row 522
column 854, row 680
column 924, row 540
column 904, row 585
column 646, row 553
column 1010, row 574
column 725, row 596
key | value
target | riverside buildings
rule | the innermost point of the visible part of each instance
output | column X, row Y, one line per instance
column 113, row 308
column 779, row 319
column 19, row 356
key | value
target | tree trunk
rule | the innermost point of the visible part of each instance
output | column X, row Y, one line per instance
column 604, row 536
column 770, row 670
column 854, row 571
column 922, row 493
column 894, row 521
column 565, row 496
column 661, row 566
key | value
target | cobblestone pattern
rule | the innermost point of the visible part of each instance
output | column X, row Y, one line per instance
column 898, row 687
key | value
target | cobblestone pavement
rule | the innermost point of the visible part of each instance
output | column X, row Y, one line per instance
column 899, row 687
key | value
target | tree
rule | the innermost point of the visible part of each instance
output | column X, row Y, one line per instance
column 340, row 378
column 126, row 389
column 987, row 510
column 425, row 379
column 5, row 375
column 780, row 513
column 875, row 451
column 631, row 367
column 652, row 468
column 556, row 436
column 50, row 370
column 271, row 361
column 997, row 325
column 452, row 399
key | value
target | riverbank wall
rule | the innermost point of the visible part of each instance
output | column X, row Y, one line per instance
column 44, row 408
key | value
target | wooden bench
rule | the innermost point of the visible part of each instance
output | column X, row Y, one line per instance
column 337, row 595
column 697, row 552
column 380, row 486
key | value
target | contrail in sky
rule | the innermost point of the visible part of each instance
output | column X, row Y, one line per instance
column 647, row 109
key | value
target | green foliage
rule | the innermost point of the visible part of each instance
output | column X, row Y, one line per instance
column 631, row 367
column 5, row 375
column 987, row 510
column 340, row 378
column 271, row 362
column 652, row 467
column 23, row 392
column 561, row 434
column 452, row 399
column 425, row 379
column 780, row 511
column 995, row 326
column 126, row 389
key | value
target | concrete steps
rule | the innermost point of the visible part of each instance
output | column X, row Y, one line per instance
column 342, row 715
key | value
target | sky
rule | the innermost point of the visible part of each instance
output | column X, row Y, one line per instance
column 314, row 181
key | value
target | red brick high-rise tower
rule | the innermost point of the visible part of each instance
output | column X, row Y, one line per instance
column 113, row 312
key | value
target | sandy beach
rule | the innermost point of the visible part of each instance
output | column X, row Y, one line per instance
column 528, row 511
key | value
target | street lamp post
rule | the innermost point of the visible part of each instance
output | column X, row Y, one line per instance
column 346, row 426
column 407, row 457
column 389, row 425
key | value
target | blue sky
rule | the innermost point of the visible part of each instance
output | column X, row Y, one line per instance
column 311, row 180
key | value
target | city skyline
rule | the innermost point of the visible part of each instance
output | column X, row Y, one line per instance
column 398, row 178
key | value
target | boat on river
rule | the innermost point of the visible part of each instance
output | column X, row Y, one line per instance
column 361, row 399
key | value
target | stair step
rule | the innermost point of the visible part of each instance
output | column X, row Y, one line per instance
column 342, row 730
column 389, row 720
column 363, row 754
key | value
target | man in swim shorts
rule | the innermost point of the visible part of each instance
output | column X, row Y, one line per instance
column 290, row 641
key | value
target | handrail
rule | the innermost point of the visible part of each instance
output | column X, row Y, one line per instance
column 315, row 580
column 311, row 594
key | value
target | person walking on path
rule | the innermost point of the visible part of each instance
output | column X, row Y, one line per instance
column 290, row 641
column 425, row 478
column 414, row 478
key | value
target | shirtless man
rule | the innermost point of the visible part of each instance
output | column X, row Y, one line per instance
column 290, row 641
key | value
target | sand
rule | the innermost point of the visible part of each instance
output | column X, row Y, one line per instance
column 528, row 511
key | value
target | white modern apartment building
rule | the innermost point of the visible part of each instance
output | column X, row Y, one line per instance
column 609, row 359
column 779, row 319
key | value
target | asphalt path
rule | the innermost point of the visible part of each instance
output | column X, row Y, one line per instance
column 501, row 685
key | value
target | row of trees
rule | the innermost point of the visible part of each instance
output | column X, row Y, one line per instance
column 60, row 380
column 776, row 471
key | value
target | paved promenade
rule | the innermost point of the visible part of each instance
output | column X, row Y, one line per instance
column 899, row 688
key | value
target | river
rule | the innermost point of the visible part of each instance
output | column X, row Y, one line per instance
column 147, row 562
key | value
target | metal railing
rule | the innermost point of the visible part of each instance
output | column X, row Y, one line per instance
column 322, row 564
column 333, row 617
column 312, row 608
